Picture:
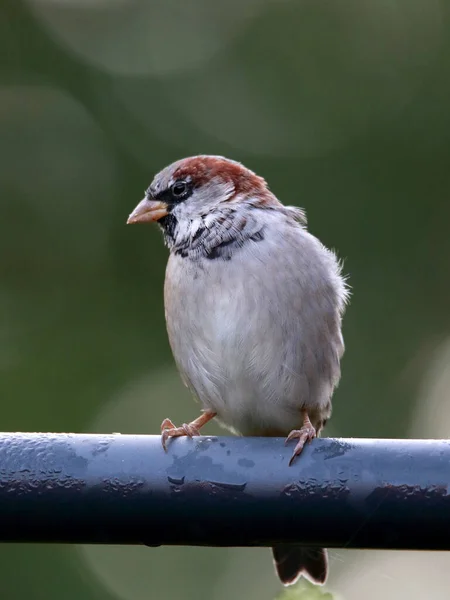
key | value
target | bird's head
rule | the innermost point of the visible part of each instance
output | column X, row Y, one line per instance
column 197, row 187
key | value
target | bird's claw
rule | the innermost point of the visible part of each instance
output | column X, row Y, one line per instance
column 168, row 430
column 304, row 435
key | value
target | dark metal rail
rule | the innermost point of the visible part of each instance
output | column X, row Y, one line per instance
column 123, row 489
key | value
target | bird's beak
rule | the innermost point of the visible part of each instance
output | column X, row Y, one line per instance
column 147, row 211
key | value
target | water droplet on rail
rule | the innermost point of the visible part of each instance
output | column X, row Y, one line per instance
column 176, row 479
column 240, row 487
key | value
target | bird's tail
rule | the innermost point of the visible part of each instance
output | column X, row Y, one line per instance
column 291, row 561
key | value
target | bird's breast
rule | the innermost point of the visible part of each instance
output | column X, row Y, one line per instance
column 249, row 340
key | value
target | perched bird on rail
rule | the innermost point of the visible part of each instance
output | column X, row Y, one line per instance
column 253, row 306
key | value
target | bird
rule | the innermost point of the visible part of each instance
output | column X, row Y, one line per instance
column 253, row 306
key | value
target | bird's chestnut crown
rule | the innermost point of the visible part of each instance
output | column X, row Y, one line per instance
column 223, row 179
column 192, row 187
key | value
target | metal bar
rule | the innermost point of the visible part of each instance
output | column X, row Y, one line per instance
column 124, row 489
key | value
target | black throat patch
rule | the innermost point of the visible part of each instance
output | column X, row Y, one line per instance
column 169, row 225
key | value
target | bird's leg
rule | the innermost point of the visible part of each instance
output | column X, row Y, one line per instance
column 304, row 435
column 168, row 429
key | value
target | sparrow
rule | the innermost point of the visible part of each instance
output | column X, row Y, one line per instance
column 254, row 306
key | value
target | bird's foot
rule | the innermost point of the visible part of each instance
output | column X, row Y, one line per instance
column 304, row 435
column 168, row 429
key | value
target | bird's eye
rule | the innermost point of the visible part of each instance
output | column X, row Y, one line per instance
column 179, row 188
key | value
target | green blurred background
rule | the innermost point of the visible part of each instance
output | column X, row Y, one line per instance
column 343, row 106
